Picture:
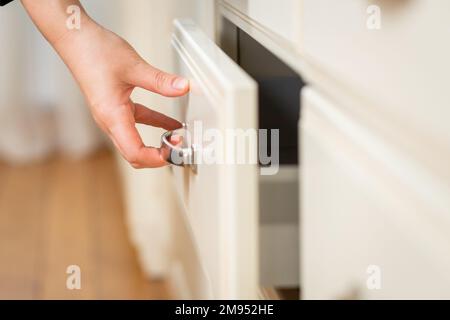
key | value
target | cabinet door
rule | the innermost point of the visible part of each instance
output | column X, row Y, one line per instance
column 219, row 197
column 374, row 221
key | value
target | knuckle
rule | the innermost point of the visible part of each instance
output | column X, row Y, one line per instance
column 132, row 159
column 101, row 114
column 161, row 79
column 136, row 165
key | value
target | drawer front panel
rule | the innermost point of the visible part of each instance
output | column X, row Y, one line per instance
column 401, row 69
column 220, row 200
column 362, row 207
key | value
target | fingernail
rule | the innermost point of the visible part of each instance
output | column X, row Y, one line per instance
column 180, row 84
column 175, row 140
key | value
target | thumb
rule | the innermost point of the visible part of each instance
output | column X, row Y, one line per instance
column 150, row 78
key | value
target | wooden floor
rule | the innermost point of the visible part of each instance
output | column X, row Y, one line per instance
column 64, row 213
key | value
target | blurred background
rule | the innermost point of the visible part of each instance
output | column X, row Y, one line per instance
column 61, row 186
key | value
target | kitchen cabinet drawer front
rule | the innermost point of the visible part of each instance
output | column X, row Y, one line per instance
column 363, row 211
column 285, row 24
column 401, row 69
column 220, row 200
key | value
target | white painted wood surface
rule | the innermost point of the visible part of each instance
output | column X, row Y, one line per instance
column 283, row 18
column 365, row 203
column 375, row 155
column 220, row 201
column 400, row 70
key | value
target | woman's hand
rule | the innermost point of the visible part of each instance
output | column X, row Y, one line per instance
column 107, row 69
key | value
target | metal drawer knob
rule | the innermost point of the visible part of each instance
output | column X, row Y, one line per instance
column 177, row 149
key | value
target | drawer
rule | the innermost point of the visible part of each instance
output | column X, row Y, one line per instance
column 278, row 230
column 220, row 199
column 364, row 204
column 401, row 70
column 285, row 24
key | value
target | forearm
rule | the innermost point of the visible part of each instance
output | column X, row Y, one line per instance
column 81, row 48
column 50, row 16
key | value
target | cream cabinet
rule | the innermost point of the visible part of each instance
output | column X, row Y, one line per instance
column 375, row 176
column 374, row 221
column 219, row 199
column 393, row 57
column 372, row 178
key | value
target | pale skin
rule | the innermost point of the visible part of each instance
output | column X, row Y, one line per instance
column 107, row 70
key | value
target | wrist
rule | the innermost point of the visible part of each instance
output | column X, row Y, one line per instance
column 56, row 19
column 85, row 52
column 71, row 38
